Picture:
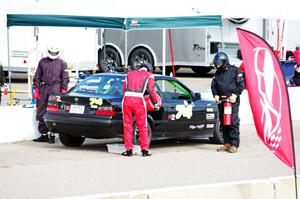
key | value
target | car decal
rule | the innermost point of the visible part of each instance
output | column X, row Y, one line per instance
column 171, row 116
column 210, row 126
column 94, row 106
column 210, row 116
column 185, row 110
column 200, row 126
column 97, row 101
column 58, row 98
column 209, row 109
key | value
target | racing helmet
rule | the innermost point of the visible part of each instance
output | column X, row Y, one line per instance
column 53, row 52
column 146, row 65
column 221, row 61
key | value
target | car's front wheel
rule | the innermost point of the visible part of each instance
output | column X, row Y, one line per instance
column 218, row 135
column 136, row 135
column 71, row 141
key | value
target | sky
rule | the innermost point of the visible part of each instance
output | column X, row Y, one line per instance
column 288, row 9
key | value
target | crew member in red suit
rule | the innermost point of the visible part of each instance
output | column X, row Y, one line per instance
column 134, row 87
column 51, row 78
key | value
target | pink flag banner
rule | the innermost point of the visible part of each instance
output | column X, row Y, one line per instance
column 268, row 96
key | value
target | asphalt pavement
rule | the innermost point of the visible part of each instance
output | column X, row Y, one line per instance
column 42, row 170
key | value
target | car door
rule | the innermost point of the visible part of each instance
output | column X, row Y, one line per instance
column 183, row 115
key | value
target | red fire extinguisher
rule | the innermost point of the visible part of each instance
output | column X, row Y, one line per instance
column 227, row 113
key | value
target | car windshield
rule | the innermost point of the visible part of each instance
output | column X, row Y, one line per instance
column 108, row 85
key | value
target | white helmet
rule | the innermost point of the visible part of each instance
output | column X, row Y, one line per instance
column 53, row 52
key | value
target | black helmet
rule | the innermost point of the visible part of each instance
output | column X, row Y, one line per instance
column 221, row 60
column 145, row 65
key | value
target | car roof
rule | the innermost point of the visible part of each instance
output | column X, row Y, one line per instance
column 157, row 76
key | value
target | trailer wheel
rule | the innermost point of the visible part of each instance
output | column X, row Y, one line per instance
column 201, row 70
column 111, row 60
column 169, row 69
column 140, row 55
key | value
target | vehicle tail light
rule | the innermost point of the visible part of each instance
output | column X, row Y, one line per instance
column 107, row 111
column 53, row 108
column 67, row 108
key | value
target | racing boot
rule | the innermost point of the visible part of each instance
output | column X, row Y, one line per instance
column 224, row 148
column 233, row 149
column 51, row 139
column 127, row 153
column 42, row 138
column 145, row 153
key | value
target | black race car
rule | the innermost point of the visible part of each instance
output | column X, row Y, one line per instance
column 93, row 109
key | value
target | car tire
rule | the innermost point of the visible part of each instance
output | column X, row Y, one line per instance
column 218, row 135
column 70, row 141
column 112, row 59
column 201, row 70
column 140, row 55
column 136, row 136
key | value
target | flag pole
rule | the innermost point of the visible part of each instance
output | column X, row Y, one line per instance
column 295, row 168
column 293, row 142
column 292, row 138
column 296, row 189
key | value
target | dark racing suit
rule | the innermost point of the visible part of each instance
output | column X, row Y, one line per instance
column 50, row 77
column 225, row 83
column 133, row 102
column 296, row 78
column 2, row 80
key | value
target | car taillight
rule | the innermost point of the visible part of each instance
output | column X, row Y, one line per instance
column 53, row 108
column 107, row 111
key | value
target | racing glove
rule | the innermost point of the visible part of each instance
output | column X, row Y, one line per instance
column 217, row 99
column 63, row 90
column 156, row 107
column 232, row 98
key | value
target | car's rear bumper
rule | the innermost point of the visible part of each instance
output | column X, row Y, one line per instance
column 90, row 127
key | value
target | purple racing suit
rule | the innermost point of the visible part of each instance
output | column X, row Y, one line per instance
column 50, row 77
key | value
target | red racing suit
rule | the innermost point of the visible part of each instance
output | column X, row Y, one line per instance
column 133, row 102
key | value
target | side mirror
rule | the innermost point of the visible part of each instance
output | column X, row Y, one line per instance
column 197, row 96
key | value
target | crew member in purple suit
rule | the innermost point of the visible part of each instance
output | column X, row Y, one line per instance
column 51, row 78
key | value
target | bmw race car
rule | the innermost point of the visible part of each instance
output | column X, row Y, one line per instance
column 93, row 109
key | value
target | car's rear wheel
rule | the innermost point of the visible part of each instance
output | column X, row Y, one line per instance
column 136, row 135
column 218, row 135
column 70, row 140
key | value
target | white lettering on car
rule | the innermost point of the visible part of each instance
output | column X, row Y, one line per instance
column 200, row 126
column 171, row 116
column 185, row 110
column 210, row 116
column 210, row 126
column 58, row 98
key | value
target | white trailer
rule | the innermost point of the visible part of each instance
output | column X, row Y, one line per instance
column 192, row 47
